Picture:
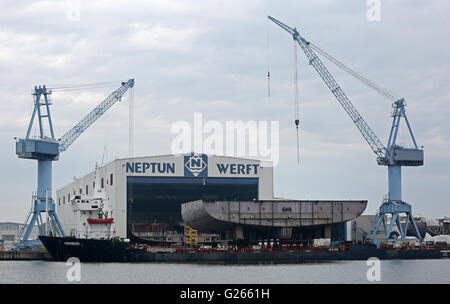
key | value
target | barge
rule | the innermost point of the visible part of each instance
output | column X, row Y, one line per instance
column 94, row 239
column 119, row 250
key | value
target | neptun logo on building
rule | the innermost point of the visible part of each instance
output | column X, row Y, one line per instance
column 150, row 168
column 193, row 165
column 196, row 165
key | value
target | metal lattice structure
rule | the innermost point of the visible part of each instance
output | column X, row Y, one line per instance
column 46, row 149
column 67, row 139
column 393, row 156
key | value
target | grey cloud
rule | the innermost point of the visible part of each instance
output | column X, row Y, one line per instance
column 211, row 57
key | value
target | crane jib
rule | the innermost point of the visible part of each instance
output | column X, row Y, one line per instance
column 393, row 156
column 370, row 136
column 374, row 142
column 67, row 139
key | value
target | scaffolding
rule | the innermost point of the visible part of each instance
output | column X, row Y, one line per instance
column 190, row 236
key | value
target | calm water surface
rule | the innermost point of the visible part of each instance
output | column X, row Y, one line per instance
column 392, row 271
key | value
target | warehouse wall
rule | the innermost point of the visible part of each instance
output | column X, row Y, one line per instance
column 164, row 165
column 77, row 187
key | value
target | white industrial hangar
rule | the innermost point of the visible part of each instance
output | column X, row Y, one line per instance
column 152, row 188
column 150, row 191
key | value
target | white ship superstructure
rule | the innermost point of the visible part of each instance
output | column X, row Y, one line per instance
column 93, row 216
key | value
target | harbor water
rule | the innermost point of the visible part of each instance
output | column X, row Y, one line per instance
column 346, row 272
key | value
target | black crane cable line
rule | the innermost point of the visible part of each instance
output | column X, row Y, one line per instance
column 84, row 86
column 268, row 58
column 380, row 90
column 296, row 98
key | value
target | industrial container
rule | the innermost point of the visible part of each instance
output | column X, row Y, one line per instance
column 323, row 242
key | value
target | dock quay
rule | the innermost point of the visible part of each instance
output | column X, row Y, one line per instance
column 24, row 255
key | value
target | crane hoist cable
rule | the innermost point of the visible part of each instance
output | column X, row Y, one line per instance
column 70, row 136
column 84, row 88
column 296, row 99
column 73, row 87
column 131, row 123
column 268, row 59
column 380, row 90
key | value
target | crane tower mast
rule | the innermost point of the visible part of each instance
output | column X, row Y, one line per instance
column 46, row 149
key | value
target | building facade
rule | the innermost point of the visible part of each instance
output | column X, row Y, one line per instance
column 148, row 190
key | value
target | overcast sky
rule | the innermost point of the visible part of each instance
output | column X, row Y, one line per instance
column 212, row 57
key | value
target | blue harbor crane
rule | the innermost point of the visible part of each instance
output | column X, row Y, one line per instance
column 46, row 149
column 392, row 155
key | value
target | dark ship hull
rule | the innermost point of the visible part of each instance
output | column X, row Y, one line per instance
column 88, row 250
